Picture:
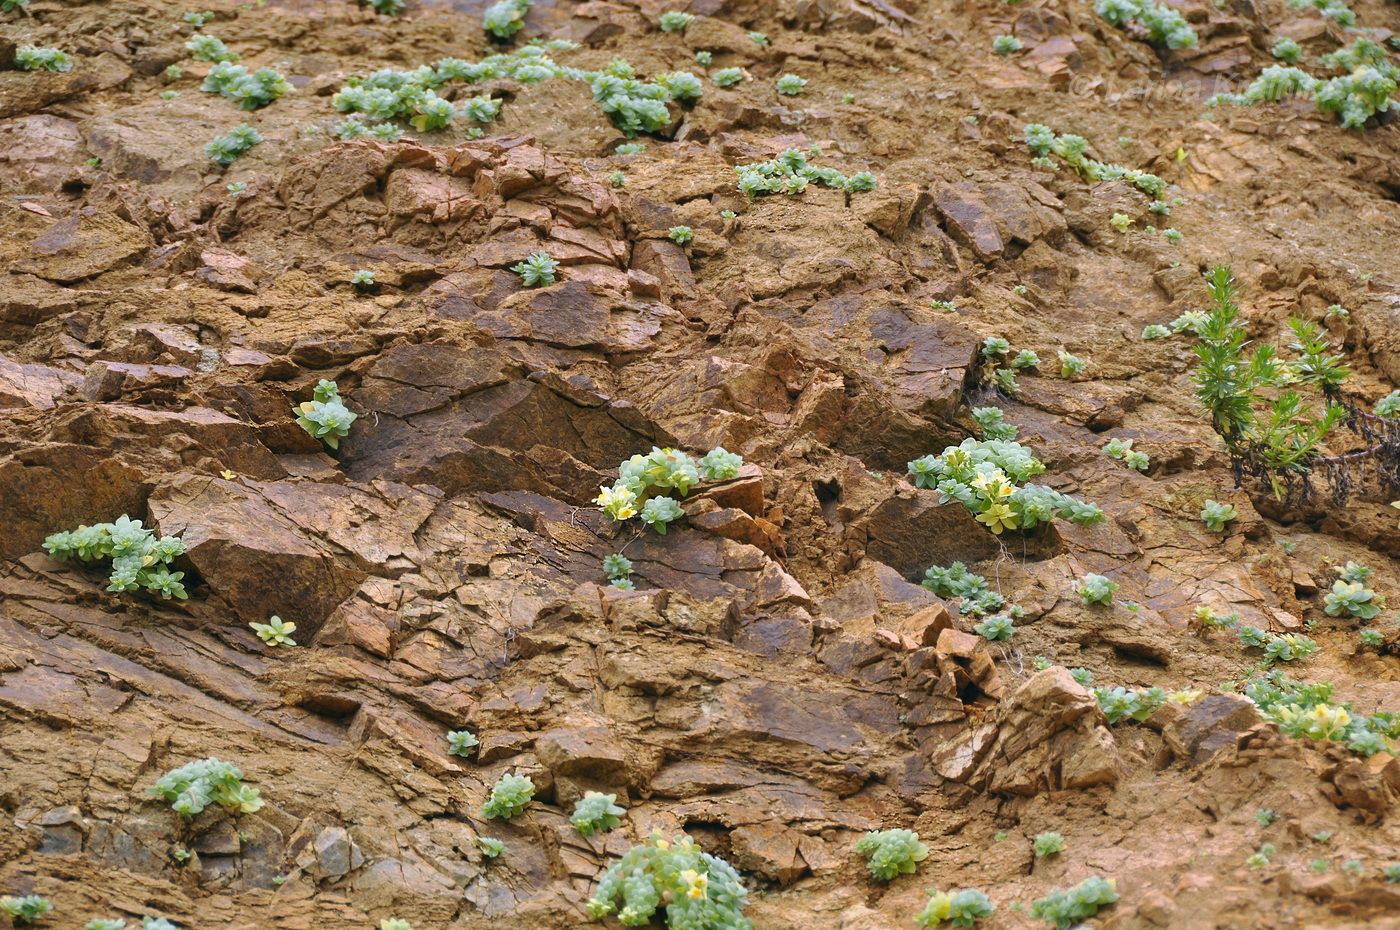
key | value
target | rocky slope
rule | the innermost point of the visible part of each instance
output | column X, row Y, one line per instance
column 779, row 683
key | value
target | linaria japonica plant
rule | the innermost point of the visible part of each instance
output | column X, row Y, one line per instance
column 790, row 173
column 193, row 787
column 537, row 270
column 490, row 846
column 105, row 923
column 1096, row 589
column 1064, row 909
column 680, row 235
column 645, row 483
column 1071, row 366
column 275, row 632
column 509, row 796
column 1006, row 44
column 250, row 90
column 325, row 416
column 225, row 150
column 34, row 58
column 461, row 743
column 790, row 85
column 958, row 909
column 1165, row 27
column 975, row 596
column 728, row 77
column 1215, row 515
column 363, row 279
column 1121, row 703
column 698, row 891
column 596, row 813
column 891, row 853
column 989, row 479
column 675, row 21
column 140, row 559
column 1122, row 450
column 1048, row 844
column 386, row 7
column 1043, row 143
column 995, row 628
column 504, row 19
column 26, row 910
column 209, row 48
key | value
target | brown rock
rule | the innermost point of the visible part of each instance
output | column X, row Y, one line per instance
column 1204, row 727
column 769, row 850
column 968, row 219
column 252, row 556
column 37, row 386
column 590, row 753
column 85, row 244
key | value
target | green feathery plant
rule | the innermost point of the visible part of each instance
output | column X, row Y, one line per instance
column 1269, row 429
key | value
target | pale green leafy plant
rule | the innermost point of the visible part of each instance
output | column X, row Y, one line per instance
column 325, row 416
column 1352, row 598
column 704, row 59
column 891, row 853
column 193, row 787
column 1071, row 366
column 225, row 150
column 105, row 923
column 1388, row 407
column 642, row 479
column 974, row 593
column 386, row 7
column 1064, row 909
column 758, row 38
column 1096, row 589
column 596, row 813
column 992, row 421
column 34, row 58
column 504, row 19
column 1043, row 143
column 140, row 559
column 26, row 910
column 790, row 173
column 1048, row 844
column 461, row 742
column 698, row 891
column 1286, row 50
column 275, row 632
column 680, row 235
column 995, row 628
column 1006, row 44
column 1121, row 703
column 958, row 909
column 537, row 270
column 1216, row 515
column 1165, row 27
column 675, row 21
column 209, row 48
column 250, row 90
column 1122, row 450
column 395, row 923
column 790, row 85
column 363, row 279
column 490, row 847
column 509, row 796
column 988, row 478
column 728, row 77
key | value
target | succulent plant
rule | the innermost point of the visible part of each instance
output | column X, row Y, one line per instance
column 461, row 742
column 537, row 270
column 1096, row 589
column 193, row 787
column 509, row 796
column 699, row 891
column 959, row 909
column 275, row 632
column 325, row 416
column 891, row 853
column 596, row 813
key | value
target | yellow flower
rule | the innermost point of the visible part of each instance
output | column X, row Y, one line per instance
column 618, row 502
column 228, row 475
column 998, row 517
column 1185, row 696
column 695, row 883
column 1326, row 721
column 1395, row 504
